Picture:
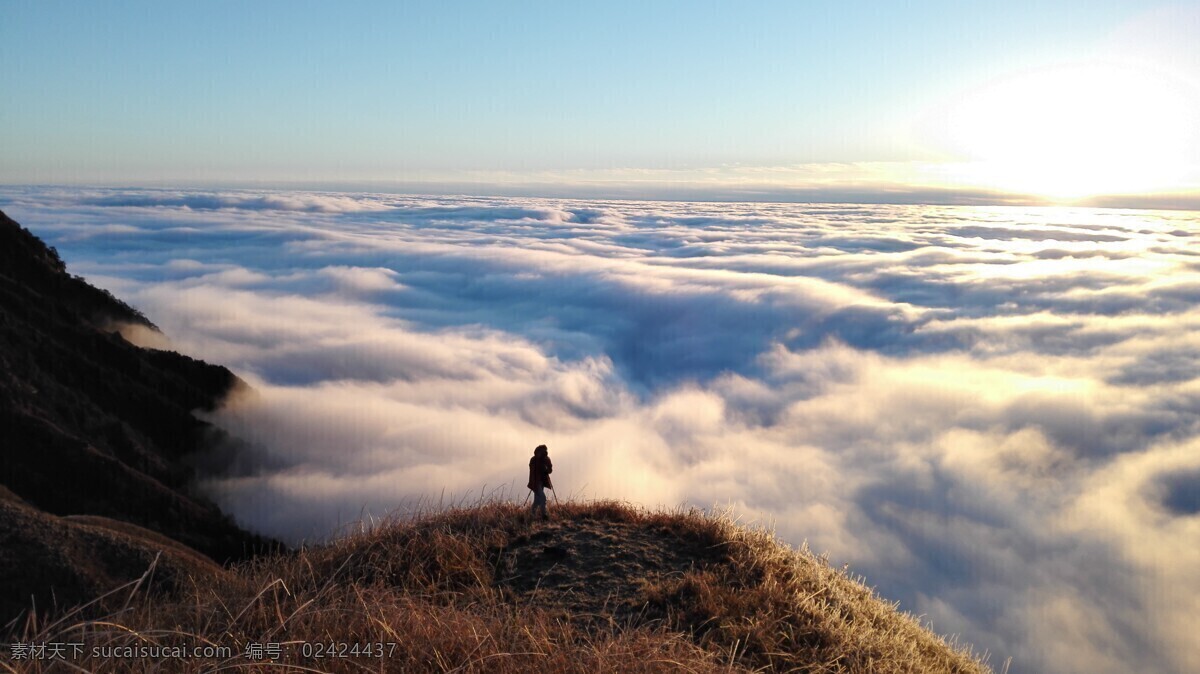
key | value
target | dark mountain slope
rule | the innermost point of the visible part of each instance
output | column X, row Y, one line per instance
column 91, row 424
column 84, row 557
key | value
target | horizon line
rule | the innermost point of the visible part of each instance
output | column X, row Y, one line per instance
column 665, row 191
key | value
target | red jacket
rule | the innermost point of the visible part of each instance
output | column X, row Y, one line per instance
column 540, row 468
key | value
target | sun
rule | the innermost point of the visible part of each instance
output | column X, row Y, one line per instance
column 1075, row 131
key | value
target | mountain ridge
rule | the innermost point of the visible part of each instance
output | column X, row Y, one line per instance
column 94, row 425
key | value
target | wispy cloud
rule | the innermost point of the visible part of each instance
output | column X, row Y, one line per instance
column 989, row 412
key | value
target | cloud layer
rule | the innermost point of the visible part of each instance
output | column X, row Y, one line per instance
column 991, row 413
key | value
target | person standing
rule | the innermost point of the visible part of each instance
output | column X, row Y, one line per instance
column 540, row 468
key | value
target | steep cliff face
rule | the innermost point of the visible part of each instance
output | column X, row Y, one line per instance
column 91, row 424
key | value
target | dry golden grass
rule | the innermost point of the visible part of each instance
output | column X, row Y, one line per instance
column 479, row 590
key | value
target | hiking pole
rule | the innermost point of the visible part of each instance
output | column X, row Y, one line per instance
column 555, row 496
column 526, row 498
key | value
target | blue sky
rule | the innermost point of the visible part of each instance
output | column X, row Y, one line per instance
column 144, row 92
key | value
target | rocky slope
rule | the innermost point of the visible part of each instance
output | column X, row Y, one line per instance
column 92, row 425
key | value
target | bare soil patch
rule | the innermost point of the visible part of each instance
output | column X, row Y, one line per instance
column 598, row 570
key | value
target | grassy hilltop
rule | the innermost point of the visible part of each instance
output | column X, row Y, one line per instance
column 600, row 587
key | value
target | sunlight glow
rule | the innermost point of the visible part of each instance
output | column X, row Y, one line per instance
column 1076, row 131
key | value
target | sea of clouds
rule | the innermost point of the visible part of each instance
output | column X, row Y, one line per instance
column 991, row 413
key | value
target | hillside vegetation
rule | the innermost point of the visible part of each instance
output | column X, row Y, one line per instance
column 600, row 587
